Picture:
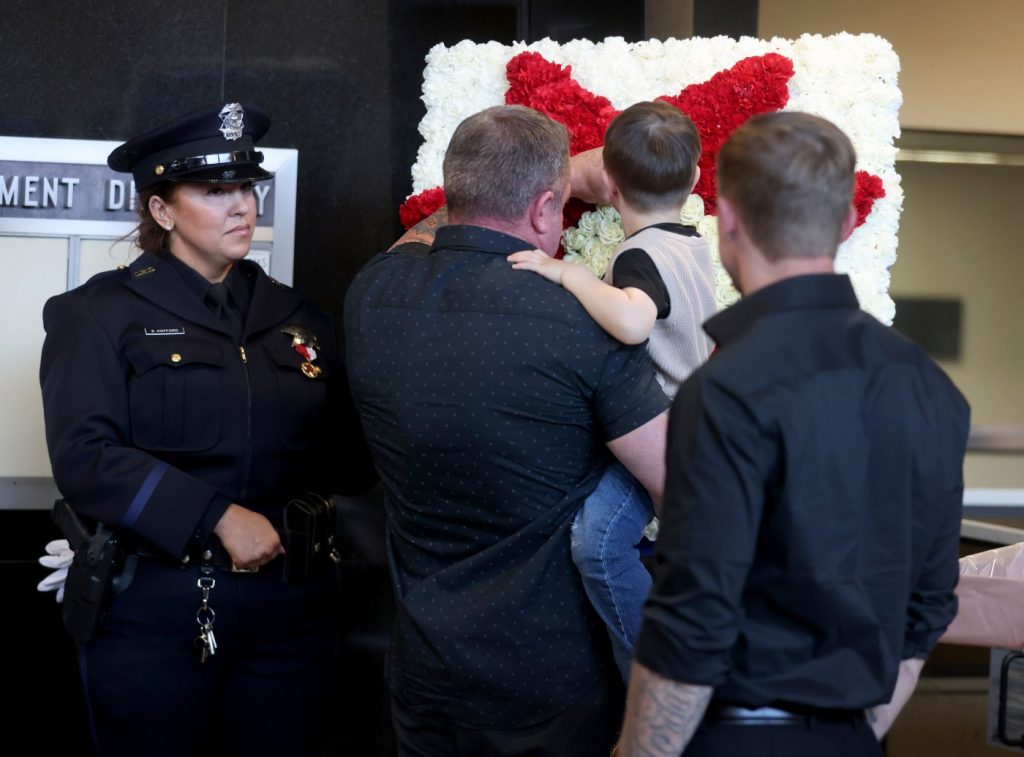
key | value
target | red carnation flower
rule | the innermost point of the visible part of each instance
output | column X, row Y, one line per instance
column 866, row 189
column 420, row 206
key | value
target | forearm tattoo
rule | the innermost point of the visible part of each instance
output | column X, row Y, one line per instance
column 425, row 230
column 661, row 715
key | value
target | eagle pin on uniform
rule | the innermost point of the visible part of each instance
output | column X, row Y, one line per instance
column 304, row 342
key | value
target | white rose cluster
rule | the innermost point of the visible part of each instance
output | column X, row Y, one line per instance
column 849, row 79
column 593, row 240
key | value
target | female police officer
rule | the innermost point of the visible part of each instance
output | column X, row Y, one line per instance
column 187, row 397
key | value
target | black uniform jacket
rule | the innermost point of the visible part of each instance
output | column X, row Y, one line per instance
column 154, row 413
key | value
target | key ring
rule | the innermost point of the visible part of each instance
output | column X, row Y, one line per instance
column 205, row 615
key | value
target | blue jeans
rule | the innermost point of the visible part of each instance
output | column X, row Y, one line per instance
column 605, row 535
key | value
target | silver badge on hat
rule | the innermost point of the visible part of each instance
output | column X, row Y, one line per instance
column 231, row 121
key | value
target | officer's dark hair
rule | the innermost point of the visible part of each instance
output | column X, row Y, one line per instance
column 151, row 236
column 500, row 159
column 790, row 177
column 651, row 151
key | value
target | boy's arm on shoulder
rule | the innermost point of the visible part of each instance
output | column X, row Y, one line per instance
column 627, row 314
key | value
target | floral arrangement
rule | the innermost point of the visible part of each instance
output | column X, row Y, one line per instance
column 720, row 83
column 598, row 232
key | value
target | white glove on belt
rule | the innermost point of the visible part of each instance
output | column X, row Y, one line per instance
column 58, row 556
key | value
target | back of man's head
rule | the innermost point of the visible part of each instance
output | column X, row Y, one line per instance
column 500, row 159
column 789, row 176
column 651, row 151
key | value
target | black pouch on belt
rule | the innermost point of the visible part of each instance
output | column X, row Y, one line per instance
column 309, row 532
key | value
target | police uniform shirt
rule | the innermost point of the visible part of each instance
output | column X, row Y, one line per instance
column 155, row 417
column 487, row 396
column 237, row 286
column 810, row 532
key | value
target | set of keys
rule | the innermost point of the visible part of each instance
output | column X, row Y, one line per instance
column 205, row 643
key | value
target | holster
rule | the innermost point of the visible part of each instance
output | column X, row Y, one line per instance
column 309, row 532
column 89, row 586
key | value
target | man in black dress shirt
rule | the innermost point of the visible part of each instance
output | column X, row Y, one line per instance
column 807, row 556
column 492, row 404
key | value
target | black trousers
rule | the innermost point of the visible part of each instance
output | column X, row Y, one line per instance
column 263, row 693
column 588, row 728
column 797, row 740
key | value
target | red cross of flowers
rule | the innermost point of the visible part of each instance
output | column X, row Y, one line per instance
column 754, row 85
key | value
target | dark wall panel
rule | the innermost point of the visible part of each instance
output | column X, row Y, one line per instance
column 341, row 81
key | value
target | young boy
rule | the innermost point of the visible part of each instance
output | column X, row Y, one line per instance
column 659, row 286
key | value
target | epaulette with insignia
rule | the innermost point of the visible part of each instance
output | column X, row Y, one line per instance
column 143, row 271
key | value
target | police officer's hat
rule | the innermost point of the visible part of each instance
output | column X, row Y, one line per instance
column 213, row 145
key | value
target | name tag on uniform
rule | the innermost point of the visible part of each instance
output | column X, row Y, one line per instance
column 178, row 331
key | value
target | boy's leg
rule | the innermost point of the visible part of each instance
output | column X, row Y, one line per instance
column 605, row 533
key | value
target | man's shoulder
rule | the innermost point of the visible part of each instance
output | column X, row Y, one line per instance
column 387, row 263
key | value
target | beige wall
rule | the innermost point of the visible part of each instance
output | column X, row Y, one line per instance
column 961, row 235
column 962, row 63
column 961, row 232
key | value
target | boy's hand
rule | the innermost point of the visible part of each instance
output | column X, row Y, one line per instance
column 540, row 262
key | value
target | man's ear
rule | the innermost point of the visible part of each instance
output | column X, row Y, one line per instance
column 728, row 219
column 544, row 211
column 849, row 224
column 696, row 177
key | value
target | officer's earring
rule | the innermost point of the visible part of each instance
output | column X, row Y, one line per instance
column 159, row 214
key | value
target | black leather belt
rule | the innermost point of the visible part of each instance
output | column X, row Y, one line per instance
column 727, row 714
column 214, row 554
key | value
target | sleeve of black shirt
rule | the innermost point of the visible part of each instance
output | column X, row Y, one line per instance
column 938, row 510
column 718, row 460
column 634, row 268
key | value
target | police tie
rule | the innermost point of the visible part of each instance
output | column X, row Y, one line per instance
column 223, row 306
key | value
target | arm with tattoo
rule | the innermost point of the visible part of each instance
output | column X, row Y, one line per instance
column 661, row 715
column 425, row 230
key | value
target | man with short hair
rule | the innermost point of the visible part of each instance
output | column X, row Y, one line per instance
column 807, row 556
column 492, row 405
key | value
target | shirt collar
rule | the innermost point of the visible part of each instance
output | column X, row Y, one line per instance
column 813, row 291
column 675, row 228
column 477, row 239
column 237, row 282
column 192, row 278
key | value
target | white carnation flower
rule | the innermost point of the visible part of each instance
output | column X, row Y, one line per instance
column 849, row 79
column 693, row 210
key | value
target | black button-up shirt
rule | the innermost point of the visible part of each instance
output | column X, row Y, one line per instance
column 810, row 530
column 487, row 395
